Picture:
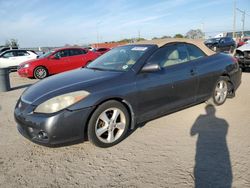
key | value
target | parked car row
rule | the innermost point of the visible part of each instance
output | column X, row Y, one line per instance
column 13, row 58
column 30, row 65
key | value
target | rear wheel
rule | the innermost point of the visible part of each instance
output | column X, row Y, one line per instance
column 220, row 92
column 109, row 124
column 40, row 72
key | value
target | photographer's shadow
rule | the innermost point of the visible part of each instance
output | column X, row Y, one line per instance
column 212, row 161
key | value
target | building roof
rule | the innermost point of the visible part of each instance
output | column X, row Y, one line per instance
column 161, row 42
column 107, row 45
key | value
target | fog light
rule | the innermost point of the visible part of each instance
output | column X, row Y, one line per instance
column 42, row 135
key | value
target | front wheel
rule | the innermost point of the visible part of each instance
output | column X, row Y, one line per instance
column 109, row 124
column 40, row 72
column 220, row 92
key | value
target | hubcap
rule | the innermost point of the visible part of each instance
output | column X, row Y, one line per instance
column 41, row 73
column 221, row 91
column 110, row 125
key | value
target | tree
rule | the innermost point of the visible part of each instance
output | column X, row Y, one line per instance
column 195, row 34
column 12, row 43
column 178, row 36
column 165, row 37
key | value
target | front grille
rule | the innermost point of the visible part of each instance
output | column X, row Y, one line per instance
column 248, row 55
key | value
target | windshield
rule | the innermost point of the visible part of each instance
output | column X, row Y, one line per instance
column 212, row 40
column 119, row 59
column 47, row 54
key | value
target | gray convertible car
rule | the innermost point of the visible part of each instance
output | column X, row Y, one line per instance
column 128, row 85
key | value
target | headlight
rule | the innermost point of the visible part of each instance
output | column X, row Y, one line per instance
column 60, row 102
column 26, row 65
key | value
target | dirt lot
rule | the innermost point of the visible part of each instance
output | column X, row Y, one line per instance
column 172, row 151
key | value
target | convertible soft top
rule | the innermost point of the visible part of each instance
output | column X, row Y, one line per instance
column 197, row 42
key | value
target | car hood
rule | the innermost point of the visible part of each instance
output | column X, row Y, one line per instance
column 245, row 47
column 76, row 80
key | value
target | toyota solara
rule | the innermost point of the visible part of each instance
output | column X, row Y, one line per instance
column 127, row 86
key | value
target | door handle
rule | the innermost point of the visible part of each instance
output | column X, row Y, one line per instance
column 192, row 72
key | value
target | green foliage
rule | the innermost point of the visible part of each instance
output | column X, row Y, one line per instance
column 178, row 36
column 195, row 34
column 12, row 43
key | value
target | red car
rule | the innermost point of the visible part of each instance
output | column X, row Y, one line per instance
column 101, row 51
column 56, row 61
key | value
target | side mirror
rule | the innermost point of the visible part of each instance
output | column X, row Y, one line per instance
column 148, row 68
column 55, row 57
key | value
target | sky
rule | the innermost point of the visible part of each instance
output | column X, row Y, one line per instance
column 37, row 23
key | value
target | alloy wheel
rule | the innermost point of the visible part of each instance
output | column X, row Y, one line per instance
column 40, row 73
column 110, row 125
column 221, row 91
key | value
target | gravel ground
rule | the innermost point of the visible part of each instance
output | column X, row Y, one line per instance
column 185, row 149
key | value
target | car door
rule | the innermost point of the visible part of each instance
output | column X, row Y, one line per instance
column 172, row 87
column 58, row 62
column 77, row 58
column 223, row 45
column 22, row 56
column 204, row 69
column 7, row 59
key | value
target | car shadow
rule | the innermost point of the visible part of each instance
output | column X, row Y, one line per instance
column 247, row 70
column 212, row 160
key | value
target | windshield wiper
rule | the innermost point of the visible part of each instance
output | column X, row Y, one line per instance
column 95, row 68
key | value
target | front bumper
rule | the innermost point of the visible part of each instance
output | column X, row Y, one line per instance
column 25, row 72
column 235, row 78
column 51, row 129
column 244, row 62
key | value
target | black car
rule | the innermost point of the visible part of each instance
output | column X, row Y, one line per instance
column 126, row 86
column 223, row 44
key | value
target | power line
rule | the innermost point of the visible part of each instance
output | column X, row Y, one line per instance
column 248, row 14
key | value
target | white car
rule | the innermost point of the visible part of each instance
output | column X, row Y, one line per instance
column 13, row 58
column 243, row 55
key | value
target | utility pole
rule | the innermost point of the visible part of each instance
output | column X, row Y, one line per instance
column 234, row 15
column 202, row 29
column 243, row 20
column 243, row 23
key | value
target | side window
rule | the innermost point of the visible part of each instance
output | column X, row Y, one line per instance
column 62, row 53
column 183, row 54
column 194, row 52
column 22, row 53
column 74, row 52
column 8, row 54
column 101, row 50
column 222, row 40
column 165, row 56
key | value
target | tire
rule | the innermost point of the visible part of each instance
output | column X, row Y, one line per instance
column 108, row 124
column 40, row 72
column 220, row 92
